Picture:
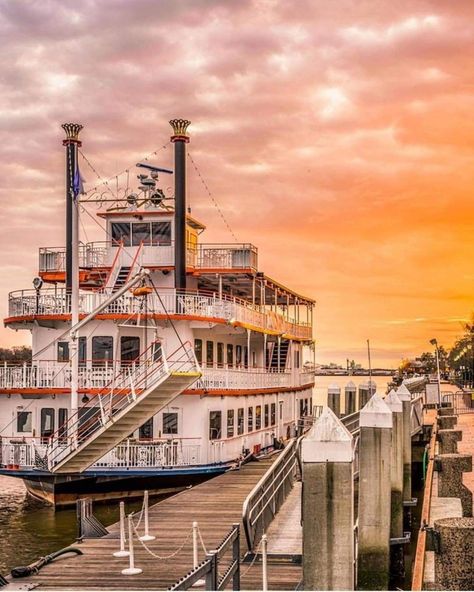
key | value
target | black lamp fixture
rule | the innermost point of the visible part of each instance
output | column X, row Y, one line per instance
column 85, row 399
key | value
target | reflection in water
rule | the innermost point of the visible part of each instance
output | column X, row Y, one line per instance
column 30, row 528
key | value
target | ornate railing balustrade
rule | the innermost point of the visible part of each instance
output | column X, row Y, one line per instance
column 50, row 302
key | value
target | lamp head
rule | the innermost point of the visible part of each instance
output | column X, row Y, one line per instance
column 433, row 342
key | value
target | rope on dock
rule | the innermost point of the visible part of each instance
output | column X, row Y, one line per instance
column 253, row 560
column 202, row 542
column 162, row 557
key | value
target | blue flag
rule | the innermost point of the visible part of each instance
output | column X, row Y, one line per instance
column 77, row 185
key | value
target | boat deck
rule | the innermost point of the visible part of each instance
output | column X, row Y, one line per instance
column 215, row 505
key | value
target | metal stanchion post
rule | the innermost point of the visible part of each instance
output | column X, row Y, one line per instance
column 131, row 570
column 147, row 536
column 122, row 552
column 264, row 564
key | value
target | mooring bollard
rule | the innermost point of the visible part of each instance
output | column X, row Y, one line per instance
column 122, row 552
column 328, row 505
column 375, row 423
column 350, row 398
column 131, row 570
column 147, row 536
column 264, row 564
column 334, row 399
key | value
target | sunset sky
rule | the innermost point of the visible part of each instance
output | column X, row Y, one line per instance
column 336, row 136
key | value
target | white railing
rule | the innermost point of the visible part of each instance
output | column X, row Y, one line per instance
column 50, row 374
column 197, row 304
column 129, row 454
column 101, row 254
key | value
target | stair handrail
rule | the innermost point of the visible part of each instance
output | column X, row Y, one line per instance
column 115, row 268
column 134, row 262
column 145, row 376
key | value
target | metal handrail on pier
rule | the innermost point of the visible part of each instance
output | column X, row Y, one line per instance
column 267, row 497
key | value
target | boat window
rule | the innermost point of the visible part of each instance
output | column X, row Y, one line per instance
column 230, row 423
column 281, row 409
column 246, row 356
column 240, row 421
column 62, row 422
column 209, row 353
column 140, row 234
column 89, row 421
column 129, row 349
column 170, row 423
column 215, row 425
column 266, row 417
column 258, row 417
column 47, row 423
column 145, row 432
column 198, row 350
column 250, row 419
column 120, row 233
column 24, row 421
column 230, row 355
column 82, row 351
column 238, row 356
column 161, row 233
column 273, row 414
column 254, row 359
column 102, row 349
column 220, row 355
column 63, row 351
column 157, row 351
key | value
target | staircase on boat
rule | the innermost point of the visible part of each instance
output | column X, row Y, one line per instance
column 139, row 391
column 121, row 278
column 277, row 356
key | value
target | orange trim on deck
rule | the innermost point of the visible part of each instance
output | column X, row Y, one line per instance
column 153, row 316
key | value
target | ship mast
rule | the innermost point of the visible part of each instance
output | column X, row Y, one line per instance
column 72, row 144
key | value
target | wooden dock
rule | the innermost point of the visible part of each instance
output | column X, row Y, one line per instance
column 215, row 505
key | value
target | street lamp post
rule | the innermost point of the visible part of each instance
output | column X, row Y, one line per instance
column 435, row 343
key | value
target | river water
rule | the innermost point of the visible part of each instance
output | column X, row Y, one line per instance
column 30, row 529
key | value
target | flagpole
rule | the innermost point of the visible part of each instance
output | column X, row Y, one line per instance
column 370, row 367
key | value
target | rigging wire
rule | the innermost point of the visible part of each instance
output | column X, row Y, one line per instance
column 213, row 199
column 116, row 176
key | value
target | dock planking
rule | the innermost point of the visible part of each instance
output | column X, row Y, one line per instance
column 215, row 505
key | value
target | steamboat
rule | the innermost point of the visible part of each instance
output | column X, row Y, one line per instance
column 158, row 360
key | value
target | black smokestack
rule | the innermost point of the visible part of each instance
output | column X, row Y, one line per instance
column 72, row 143
column 180, row 139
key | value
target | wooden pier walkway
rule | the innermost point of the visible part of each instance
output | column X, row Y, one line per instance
column 215, row 505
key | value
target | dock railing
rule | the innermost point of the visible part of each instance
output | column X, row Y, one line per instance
column 267, row 497
column 209, row 568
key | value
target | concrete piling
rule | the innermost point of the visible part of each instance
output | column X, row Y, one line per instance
column 363, row 394
column 450, row 468
column 328, row 506
column 374, row 495
column 454, row 556
column 334, row 399
column 447, row 422
column 405, row 397
column 396, row 478
column 350, row 393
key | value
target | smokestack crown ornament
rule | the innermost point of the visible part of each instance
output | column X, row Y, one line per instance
column 72, row 133
column 179, row 128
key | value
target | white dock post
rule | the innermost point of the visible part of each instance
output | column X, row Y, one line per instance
column 147, row 536
column 131, row 570
column 264, row 564
column 373, row 565
column 122, row 552
column 200, row 582
column 328, row 505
